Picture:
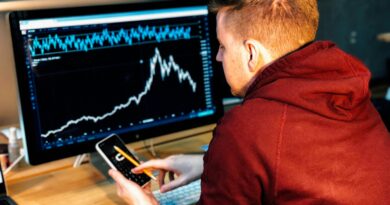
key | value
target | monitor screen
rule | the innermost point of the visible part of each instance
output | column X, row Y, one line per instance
column 138, row 70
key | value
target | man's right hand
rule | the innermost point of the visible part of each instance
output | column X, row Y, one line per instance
column 187, row 168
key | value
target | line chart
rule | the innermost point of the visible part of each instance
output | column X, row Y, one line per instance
column 166, row 68
column 106, row 38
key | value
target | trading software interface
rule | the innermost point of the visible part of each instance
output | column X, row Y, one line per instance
column 94, row 74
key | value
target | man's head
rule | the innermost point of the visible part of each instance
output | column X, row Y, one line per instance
column 253, row 33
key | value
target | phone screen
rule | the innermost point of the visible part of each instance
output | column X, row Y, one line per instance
column 2, row 183
column 119, row 162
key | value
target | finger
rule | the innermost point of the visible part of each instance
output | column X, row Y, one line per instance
column 151, row 164
column 172, row 185
column 118, row 177
column 119, row 190
column 161, row 177
column 126, row 186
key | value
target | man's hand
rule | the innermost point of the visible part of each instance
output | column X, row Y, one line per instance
column 187, row 168
column 131, row 192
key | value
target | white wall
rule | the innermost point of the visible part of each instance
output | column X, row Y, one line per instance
column 8, row 90
column 8, row 96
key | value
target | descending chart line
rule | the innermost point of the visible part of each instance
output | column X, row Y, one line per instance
column 166, row 67
column 106, row 38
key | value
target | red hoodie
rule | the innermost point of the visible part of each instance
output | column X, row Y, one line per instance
column 306, row 133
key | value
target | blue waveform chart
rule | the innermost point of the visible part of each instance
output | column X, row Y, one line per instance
column 107, row 38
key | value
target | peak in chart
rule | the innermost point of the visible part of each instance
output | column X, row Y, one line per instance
column 167, row 67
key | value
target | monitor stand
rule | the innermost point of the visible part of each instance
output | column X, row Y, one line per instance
column 96, row 160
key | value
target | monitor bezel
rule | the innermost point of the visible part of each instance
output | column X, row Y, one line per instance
column 34, row 155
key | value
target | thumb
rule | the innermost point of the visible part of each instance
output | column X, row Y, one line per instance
column 118, row 177
column 172, row 185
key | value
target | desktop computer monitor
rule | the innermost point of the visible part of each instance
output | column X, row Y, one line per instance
column 138, row 70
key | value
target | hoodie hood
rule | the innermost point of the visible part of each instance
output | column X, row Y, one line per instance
column 319, row 77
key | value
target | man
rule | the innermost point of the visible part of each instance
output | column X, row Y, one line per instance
column 306, row 132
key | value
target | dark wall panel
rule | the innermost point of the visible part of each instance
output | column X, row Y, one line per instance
column 354, row 26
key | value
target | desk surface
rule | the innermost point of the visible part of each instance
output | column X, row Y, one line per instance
column 59, row 183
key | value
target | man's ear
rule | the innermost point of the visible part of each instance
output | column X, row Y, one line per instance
column 258, row 55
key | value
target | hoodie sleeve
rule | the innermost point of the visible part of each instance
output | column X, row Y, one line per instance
column 227, row 179
column 239, row 166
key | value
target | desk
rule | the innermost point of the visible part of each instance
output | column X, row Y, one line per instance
column 61, row 184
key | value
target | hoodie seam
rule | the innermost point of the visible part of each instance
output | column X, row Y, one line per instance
column 347, row 60
column 278, row 150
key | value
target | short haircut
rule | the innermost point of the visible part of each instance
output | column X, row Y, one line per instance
column 281, row 25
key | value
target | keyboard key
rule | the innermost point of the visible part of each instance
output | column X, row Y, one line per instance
column 188, row 194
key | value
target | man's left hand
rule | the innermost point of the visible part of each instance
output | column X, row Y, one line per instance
column 131, row 192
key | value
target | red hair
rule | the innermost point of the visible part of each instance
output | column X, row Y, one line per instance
column 281, row 25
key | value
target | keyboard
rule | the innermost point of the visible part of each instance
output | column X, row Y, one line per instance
column 188, row 194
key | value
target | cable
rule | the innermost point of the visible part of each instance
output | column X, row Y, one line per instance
column 14, row 163
column 79, row 160
column 150, row 147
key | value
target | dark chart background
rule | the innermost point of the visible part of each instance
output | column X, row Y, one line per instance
column 66, row 86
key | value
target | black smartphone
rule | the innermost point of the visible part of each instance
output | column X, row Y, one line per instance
column 118, row 162
column 4, row 198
